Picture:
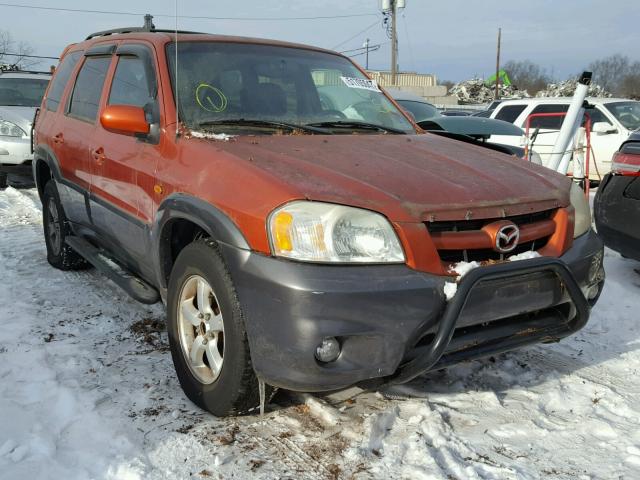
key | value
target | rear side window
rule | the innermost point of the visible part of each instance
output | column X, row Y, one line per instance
column 60, row 79
column 130, row 86
column 88, row 89
column 548, row 123
column 509, row 113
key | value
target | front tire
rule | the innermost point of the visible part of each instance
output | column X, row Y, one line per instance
column 56, row 229
column 207, row 335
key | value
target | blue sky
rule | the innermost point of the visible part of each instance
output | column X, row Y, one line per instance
column 455, row 39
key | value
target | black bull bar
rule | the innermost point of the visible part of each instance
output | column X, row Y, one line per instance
column 427, row 357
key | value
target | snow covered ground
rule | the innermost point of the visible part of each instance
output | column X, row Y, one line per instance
column 87, row 391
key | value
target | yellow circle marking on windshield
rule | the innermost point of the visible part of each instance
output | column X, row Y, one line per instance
column 204, row 94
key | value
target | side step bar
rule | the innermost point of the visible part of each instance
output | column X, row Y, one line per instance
column 134, row 286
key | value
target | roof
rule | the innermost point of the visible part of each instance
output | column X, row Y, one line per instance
column 561, row 100
column 160, row 37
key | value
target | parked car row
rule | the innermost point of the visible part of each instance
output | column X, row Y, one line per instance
column 469, row 129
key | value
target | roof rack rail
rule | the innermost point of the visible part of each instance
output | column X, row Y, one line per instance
column 147, row 27
column 134, row 30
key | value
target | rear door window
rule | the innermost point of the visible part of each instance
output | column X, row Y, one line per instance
column 60, row 79
column 509, row 113
column 85, row 100
column 548, row 123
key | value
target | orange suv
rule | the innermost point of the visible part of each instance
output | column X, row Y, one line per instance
column 301, row 230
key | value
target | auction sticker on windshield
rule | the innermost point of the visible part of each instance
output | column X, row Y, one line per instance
column 363, row 83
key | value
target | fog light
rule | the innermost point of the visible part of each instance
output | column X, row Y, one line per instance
column 592, row 292
column 328, row 350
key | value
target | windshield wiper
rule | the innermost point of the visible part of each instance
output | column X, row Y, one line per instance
column 355, row 125
column 264, row 123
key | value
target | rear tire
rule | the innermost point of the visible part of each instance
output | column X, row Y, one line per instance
column 56, row 230
column 207, row 335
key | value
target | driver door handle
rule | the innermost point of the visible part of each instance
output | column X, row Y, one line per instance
column 98, row 155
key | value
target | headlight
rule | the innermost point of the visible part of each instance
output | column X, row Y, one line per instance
column 582, row 211
column 325, row 232
column 8, row 129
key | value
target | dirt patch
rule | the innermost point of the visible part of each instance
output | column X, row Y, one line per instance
column 150, row 331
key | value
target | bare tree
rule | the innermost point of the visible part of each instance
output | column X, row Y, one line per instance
column 630, row 84
column 527, row 75
column 447, row 83
column 9, row 47
column 609, row 72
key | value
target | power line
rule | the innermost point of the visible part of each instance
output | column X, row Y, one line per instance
column 26, row 56
column 356, row 35
column 374, row 48
column 198, row 17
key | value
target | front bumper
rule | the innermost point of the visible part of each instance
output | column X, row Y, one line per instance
column 394, row 323
column 617, row 214
column 15, row 151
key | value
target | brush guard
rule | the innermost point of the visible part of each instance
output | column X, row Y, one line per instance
column 427, row 357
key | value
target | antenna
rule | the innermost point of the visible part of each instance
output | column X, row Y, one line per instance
column 176, row 75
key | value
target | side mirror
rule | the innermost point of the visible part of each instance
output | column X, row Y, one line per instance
column 125, row 119
column 603, row 128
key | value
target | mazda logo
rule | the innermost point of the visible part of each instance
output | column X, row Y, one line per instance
column 507, row 238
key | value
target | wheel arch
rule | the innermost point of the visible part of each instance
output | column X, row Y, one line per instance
column 181, row 219
column 45, row 167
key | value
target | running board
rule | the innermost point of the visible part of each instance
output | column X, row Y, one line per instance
column 133, row 285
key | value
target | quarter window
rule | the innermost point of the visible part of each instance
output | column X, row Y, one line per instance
column 60, row 80
column 509, row 113
column 88, row 89
column 596, row 116
column 130, row 85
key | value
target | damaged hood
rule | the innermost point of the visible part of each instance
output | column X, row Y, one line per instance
column 406, row 177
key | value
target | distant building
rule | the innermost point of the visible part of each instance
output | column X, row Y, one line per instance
column 424, row 85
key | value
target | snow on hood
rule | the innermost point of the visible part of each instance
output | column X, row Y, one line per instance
column 211, row 136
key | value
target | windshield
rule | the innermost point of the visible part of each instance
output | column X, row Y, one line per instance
column 22, row 92
column 421, row 111
column 627, row 113
column 218, row 82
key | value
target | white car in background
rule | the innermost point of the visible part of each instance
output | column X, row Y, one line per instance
column 612, row 121
column 21, row 93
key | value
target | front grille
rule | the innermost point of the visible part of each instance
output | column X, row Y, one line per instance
column 444, row 234
column 466, row 225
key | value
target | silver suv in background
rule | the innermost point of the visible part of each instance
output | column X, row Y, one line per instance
column 20, row 94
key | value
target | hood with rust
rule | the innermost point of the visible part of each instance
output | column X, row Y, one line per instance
column 406, row 177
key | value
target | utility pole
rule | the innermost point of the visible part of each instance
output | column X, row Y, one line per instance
column 390, row 8
column 394, row 43
column 497, row 94
column 366, row 46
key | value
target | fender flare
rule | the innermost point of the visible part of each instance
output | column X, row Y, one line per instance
column 213, row 221
column 44, row 153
